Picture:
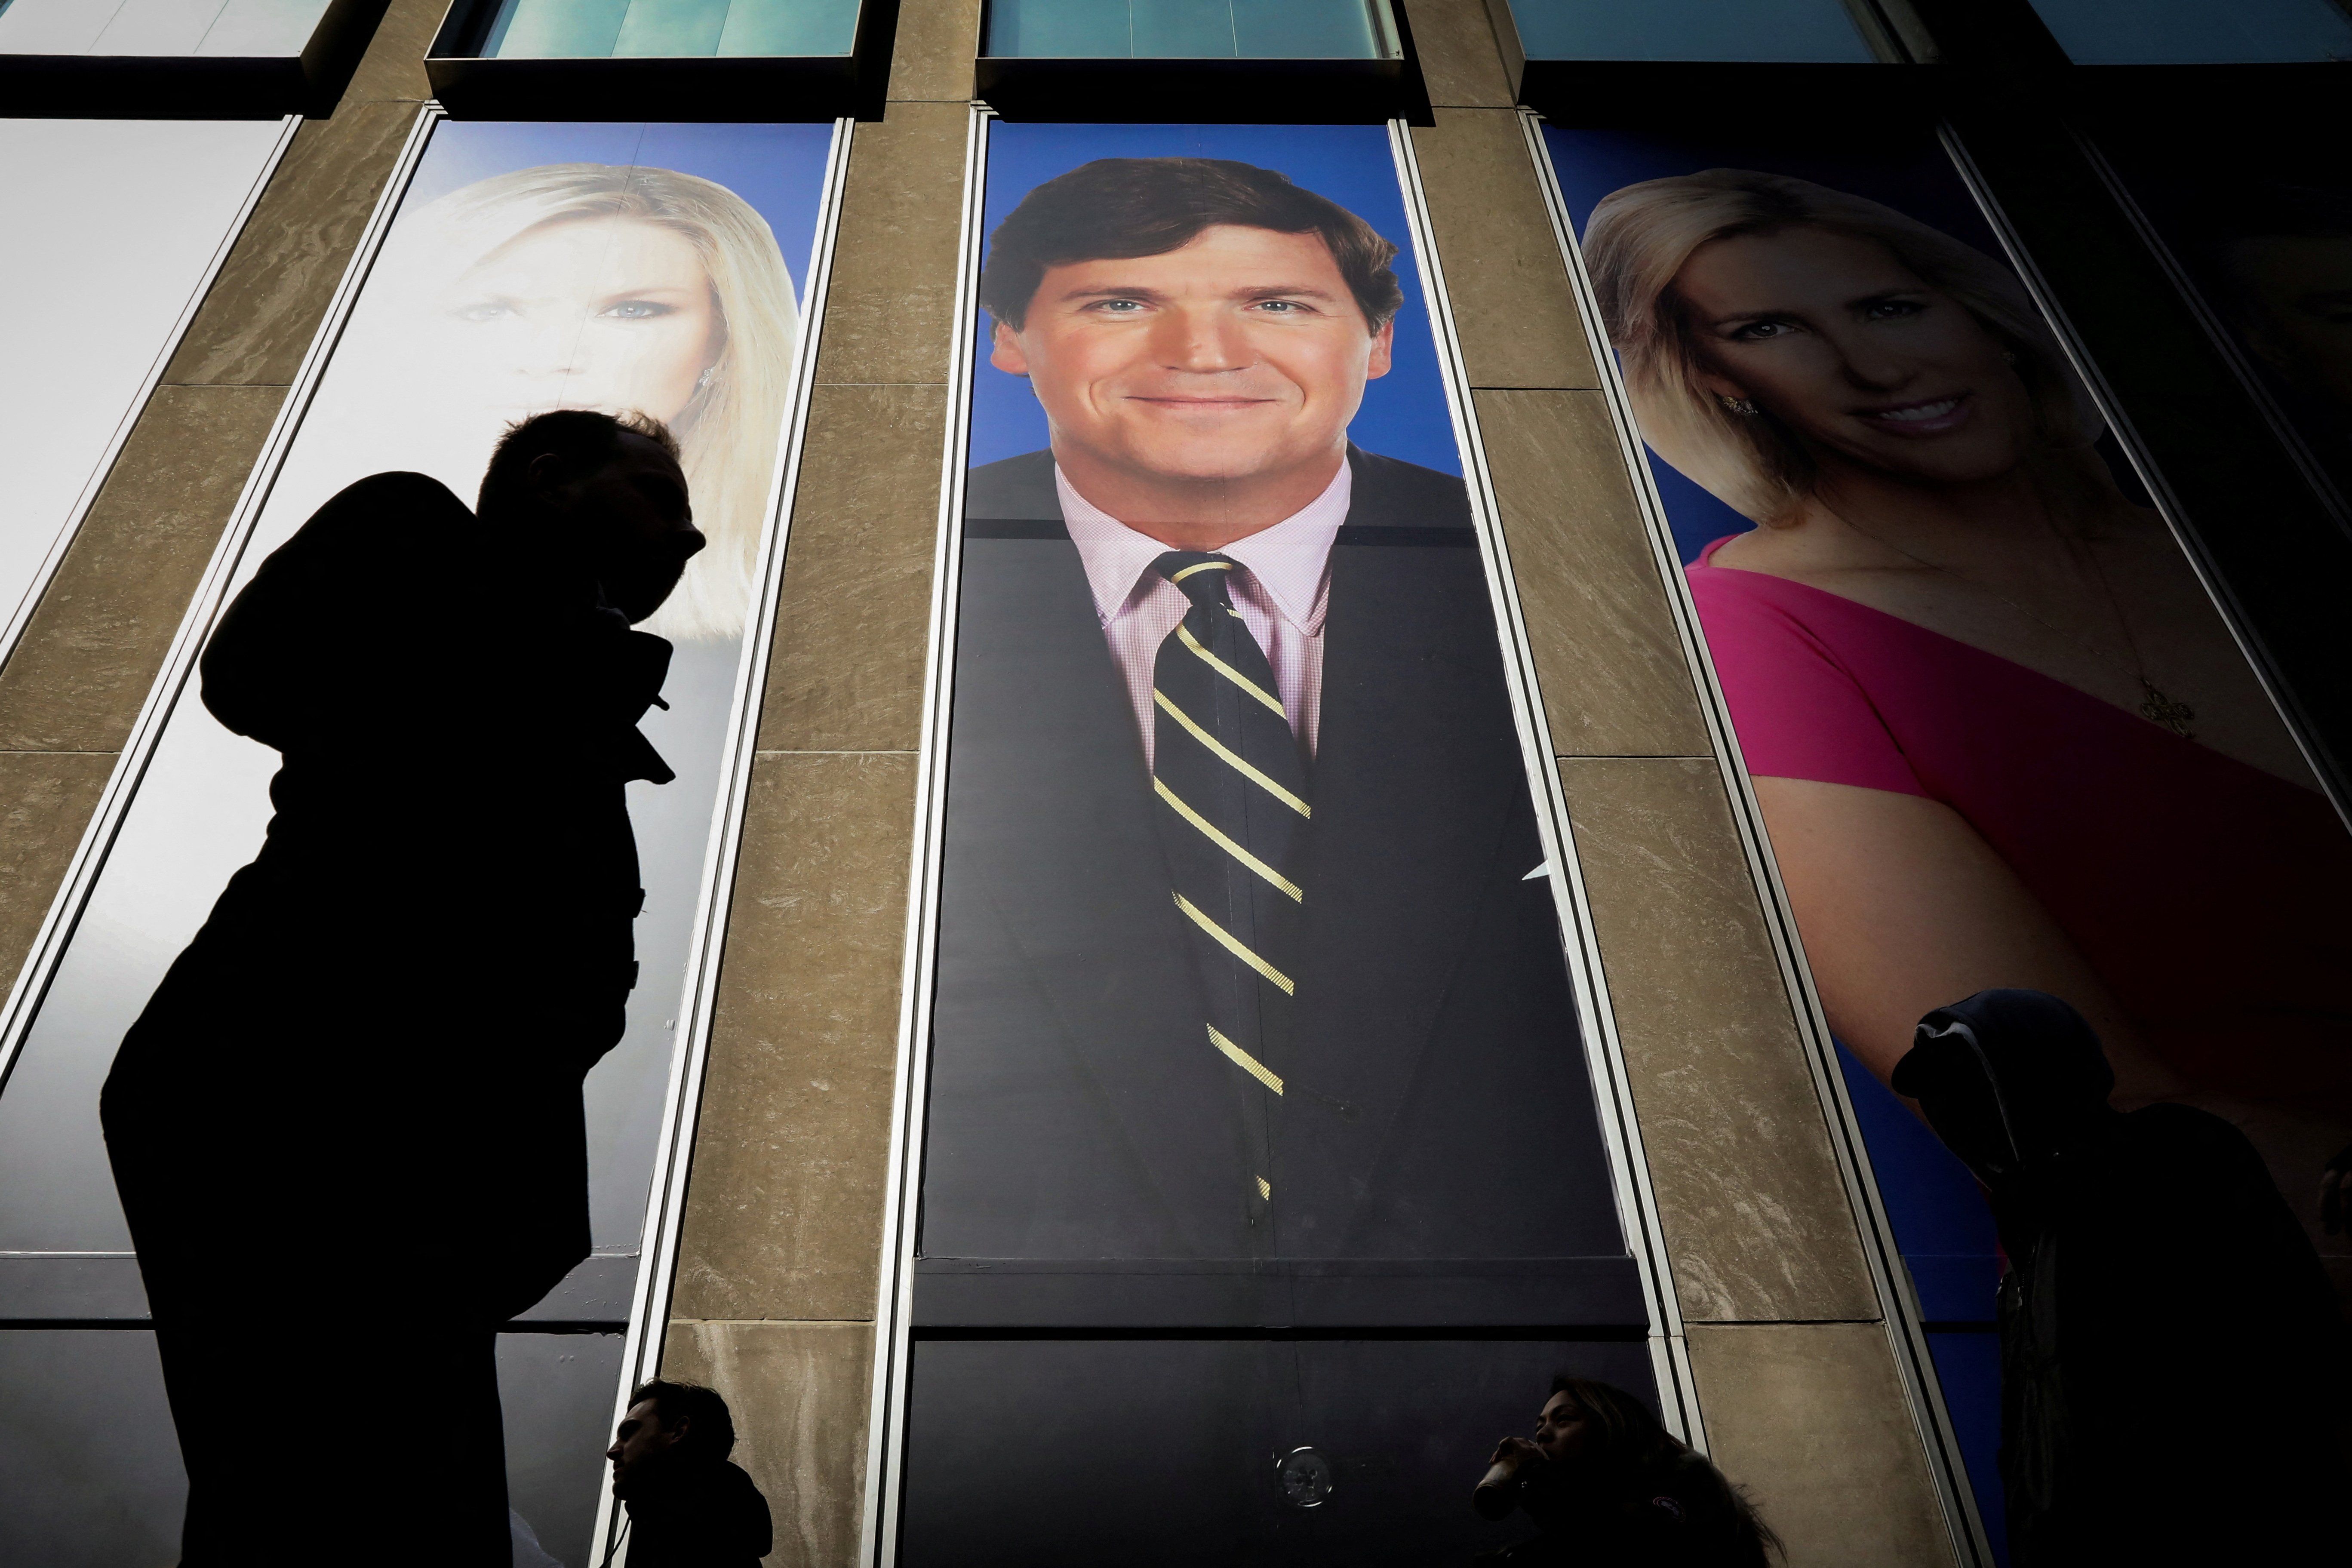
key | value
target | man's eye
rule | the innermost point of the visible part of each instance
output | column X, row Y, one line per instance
column 636, row 311
column 1118, row 307
column 1281, row 307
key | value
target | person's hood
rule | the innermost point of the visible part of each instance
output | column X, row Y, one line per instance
column 2008, row 1079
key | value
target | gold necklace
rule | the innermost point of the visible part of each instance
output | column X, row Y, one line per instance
column 2158, row 709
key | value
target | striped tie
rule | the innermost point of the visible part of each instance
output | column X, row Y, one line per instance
column 1234, row 814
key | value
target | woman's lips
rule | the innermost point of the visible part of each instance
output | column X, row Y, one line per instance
column 1929, row 416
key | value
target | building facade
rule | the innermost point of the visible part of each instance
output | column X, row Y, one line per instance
column 891, row 1155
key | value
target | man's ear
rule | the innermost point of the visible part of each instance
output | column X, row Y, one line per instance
column 677, row 1431
column 548, row 480
column 1383, row 348
column 1004, row 350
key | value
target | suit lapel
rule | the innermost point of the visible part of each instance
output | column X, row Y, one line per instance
column 1414, row 773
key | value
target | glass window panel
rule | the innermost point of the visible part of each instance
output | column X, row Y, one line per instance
column 1304, row 29
column 263, row 27
column 1398, row 1431
column 91, row 1463
column 2197, row 32
column 548, row 29
column 671, row 27
column 243, row 27
column 51, row 26
column 1761, row 30
column 1059, row 29
column 1183, row 30
column 557, row 29
column 158, row 27
column 790, row 27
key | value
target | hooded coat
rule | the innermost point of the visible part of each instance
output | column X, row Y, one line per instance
column 2171, row 1355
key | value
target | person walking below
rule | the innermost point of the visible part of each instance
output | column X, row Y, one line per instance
column 1607, row 1486
column 347, row 1130
column 688, row 1506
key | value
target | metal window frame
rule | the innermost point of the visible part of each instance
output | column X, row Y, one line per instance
column 1900, row 1311
column 1629, row 1173
column 12, row 630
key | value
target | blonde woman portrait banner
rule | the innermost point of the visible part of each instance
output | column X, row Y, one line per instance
column 648, row 268
column 2002, row 738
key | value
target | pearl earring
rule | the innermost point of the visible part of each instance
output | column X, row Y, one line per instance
column 1739, row 406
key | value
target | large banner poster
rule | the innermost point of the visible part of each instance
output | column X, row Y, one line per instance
column 616, row 267
column 2019, row 783
column 1251, row 993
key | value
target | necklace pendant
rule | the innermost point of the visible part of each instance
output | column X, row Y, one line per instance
column 2161, row 710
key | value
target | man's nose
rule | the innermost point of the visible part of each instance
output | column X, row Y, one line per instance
column 689, row 539
column 1203, row 340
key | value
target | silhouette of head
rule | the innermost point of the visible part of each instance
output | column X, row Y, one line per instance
column 669, row 1426
column 2007, row 1079
column 601, row 495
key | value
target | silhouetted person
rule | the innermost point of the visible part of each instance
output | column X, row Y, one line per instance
column 347, row 1130
column 1608, row 1486
column 2170, row 1350
column 688, row 1507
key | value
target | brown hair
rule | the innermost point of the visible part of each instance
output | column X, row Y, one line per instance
column 1114, row 208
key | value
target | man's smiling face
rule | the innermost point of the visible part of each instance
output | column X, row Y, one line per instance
column 1240, row 356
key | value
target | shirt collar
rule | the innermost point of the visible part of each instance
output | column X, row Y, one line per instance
column 1288, row 560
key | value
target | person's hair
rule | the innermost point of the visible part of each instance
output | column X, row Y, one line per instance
column 581, row 439
column 710, row 1437
column 1640, row 237
column 727, row 432
column 1117, row 208
column 1630, row 1441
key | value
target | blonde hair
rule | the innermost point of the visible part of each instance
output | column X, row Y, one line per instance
column 1640, row 237
column 727, row 431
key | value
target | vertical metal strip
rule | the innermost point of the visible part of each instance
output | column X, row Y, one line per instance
column 1637, row 1206
column 1889, row 1275
column 885, row 1434
column 57, row 928
column 22, row 615
column 690, row 1056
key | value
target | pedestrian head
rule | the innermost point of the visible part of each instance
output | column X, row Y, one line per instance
column 598, row 493
column 668, row 1426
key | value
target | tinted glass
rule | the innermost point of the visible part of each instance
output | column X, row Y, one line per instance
column 1186, row 29
column 1174, row 1452
column 1783, row 30
column 2197, row 32
column 93, row 1477
column 596, row 29
column 231, row 27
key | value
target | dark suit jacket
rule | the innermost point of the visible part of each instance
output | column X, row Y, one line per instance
column 1436, row 1104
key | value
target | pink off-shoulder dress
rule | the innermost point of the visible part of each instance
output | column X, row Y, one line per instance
column 2214, row 899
